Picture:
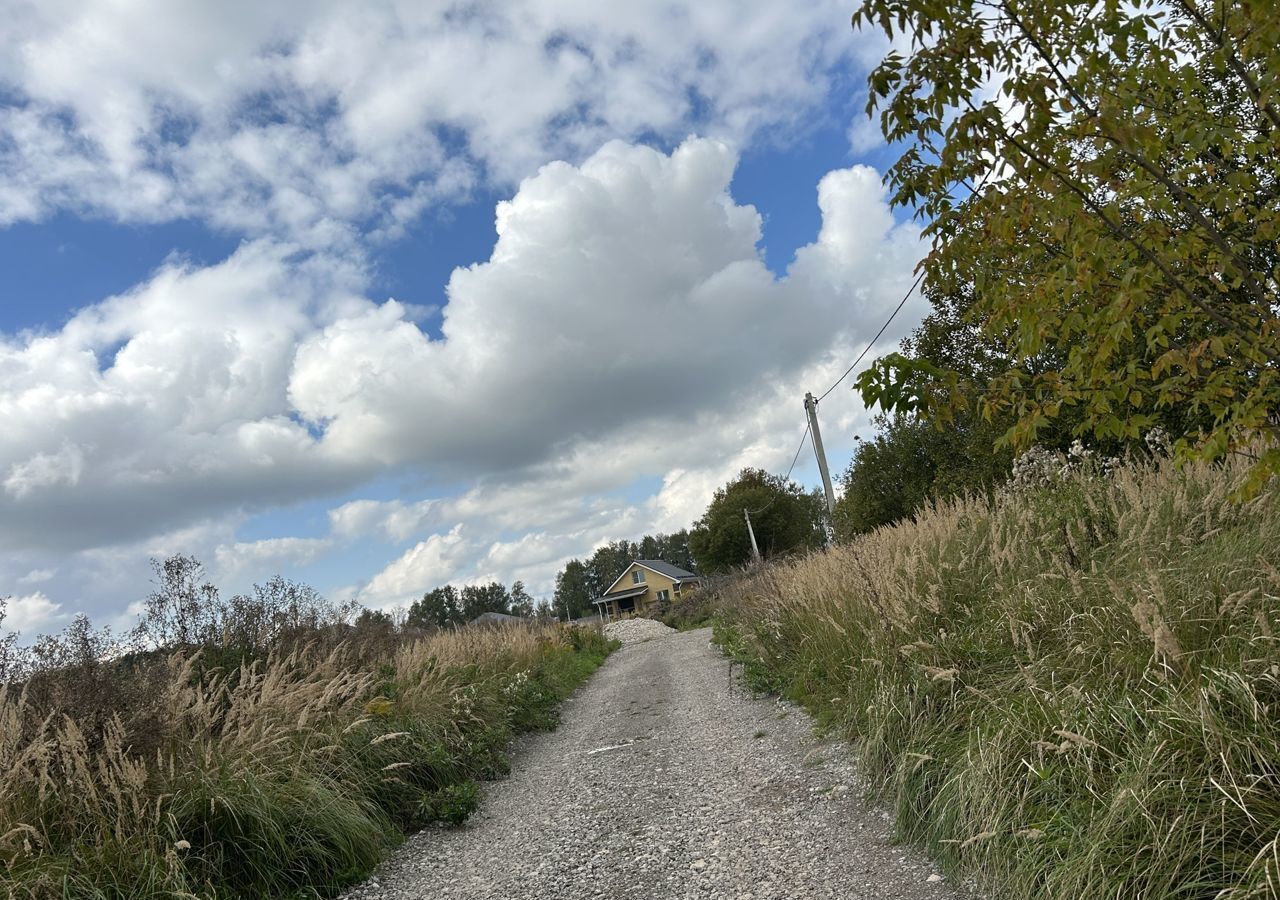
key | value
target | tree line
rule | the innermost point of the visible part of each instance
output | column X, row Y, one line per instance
column 449, row 605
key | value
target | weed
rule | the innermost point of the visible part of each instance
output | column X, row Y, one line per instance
column 451, row 804
column 271, row 766
column 1068, row 690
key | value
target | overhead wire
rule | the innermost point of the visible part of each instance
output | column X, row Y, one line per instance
column 973, row 192
column 901, row 303
column 803, row 439
column 871, row 343
column 809, row 426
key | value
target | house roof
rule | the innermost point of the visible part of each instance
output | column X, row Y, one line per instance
column 622, row 595
column 665, row 568
column 653, row 565
column 495, row 618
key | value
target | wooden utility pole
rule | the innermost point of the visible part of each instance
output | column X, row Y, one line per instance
column 811, row 408
column 755, row 551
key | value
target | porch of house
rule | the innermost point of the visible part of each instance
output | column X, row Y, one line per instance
column 621, row 605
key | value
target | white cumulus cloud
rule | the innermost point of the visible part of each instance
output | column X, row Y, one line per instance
column 624, row 330
column 253, row 558
column 167, row 403
column 430, row 562
column 305, row 119
column 624, row 326
column 30, row 613
column 628, row 289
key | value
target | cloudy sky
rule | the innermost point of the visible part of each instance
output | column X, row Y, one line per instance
column 392, row 294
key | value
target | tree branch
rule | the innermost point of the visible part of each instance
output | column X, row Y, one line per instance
column 1240, row 329
column 1189, row 206
column 1233, row 60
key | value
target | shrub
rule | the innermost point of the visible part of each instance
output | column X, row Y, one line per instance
column 451, row 804
column 698, row 608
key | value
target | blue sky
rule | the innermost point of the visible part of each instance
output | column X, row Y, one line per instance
column 384, row 298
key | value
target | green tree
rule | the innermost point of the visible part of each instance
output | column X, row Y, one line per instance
column 374, row 620
column 785, row 519
column 649, row 547
column 608, row 562
column 914, row 458
column 436, row 609
column 911, row 462
column 477, row 599
column 574, row 590
column 521, row 603
column 1115, row 206
column 674, row 548
column 184, row 610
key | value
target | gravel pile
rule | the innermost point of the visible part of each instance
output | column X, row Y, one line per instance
column 666, row 780
column 633, row 631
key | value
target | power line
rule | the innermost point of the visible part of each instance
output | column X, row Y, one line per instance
column 811, row 404
column 871, row 343
column 901, row 303
column 803, row 438
column 808, row 429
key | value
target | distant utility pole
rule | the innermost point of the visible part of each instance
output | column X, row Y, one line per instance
column 811, row 408
column 755, row 551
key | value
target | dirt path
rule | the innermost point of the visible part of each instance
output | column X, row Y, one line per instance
column 663, row 783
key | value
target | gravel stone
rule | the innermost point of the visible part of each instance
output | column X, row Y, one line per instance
column 667, row 780
column 635, row 631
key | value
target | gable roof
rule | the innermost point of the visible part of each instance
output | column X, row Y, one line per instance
column 665, row 569
column 623, row 595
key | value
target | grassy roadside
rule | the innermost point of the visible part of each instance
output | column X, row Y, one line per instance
column 1072, row 692
column 287, row 776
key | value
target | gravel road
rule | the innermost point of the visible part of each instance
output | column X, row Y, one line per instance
column 664, row 783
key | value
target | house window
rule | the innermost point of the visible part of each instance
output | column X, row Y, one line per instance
column 664, row 596
column 637, row 577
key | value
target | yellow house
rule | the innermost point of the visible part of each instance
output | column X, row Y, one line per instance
column 647, row 584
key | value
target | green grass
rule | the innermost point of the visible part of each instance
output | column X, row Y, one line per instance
column 293, row 778
column 695, row 609
column 1073, row 692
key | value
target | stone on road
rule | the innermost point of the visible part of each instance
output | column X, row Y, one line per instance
column 664, row 781
column 633, row 631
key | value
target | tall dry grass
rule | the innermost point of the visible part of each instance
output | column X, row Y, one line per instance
column 290, row 773
column 1070, row 692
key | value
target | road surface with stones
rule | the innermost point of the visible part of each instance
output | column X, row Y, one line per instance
column 663, row 781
